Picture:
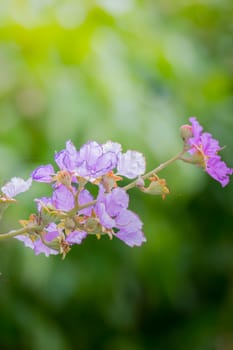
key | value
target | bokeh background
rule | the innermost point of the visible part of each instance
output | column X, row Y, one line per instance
column 131, row 71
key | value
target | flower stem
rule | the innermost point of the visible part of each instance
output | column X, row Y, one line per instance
column 20, row 231
column 154, row 171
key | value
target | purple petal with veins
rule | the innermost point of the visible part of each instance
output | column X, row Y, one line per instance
column 43, row 173
column 63, row 199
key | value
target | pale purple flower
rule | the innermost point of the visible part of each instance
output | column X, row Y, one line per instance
column 67, row 158
column 37, row 245
column 105, row 219
column 116, row 201
column 111, row 209
column 131, row 164
column 95, row 160
column 110, row 204
column 15, row 186
column 63, row 198
column 129, row 226
column 204, row 148
column 92, row 161
column 127, row 221
column 52, row 234
column 43, row 173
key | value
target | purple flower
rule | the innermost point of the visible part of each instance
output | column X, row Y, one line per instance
column 92, row 161
column 67, row 158
column 43, row 173
column 105, row 219
column 111, row 209
column 36, row 243
column 108, row 214
column 95, row 160
column 129, row 226
column 52, row 234
column 204, row 150
column 110, row 204
column 116, row 201
column 15, row 186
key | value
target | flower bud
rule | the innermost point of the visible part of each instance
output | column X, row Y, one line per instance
column 48, row 215
column 157, row 187
column 69, row 224
column 186, row 132
column 92, row 225
column 54, row 244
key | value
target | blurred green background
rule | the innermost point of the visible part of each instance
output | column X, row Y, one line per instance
column 131, row 71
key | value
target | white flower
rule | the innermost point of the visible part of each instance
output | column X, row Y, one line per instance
column 131, row 164
column 15, row 186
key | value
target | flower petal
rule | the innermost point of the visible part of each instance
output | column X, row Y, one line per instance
column 131, row 238
column 63, row 199
column 131, row 164
column 43, row 173
column 116, row 201
column 76, row 237
column 218, row 170
column 67, row 158
column 15, row 186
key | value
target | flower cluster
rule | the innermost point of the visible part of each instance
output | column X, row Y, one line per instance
column 86, row 198
column 71, row 213
column 93, row 161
